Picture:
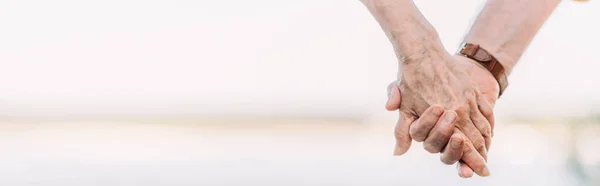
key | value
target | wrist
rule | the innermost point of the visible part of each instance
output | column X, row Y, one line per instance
column 406, row 28
column 424, row 45
column 506, row 58
column 487, row 83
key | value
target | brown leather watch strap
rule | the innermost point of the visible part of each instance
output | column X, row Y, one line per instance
column 488, row 61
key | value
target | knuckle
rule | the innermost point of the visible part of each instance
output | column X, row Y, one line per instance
column 401, row 140
column 398, row 133
column 455, row 143
column 467, row 149
column 487, row 112
column 462, row 109
column 441, row 139
column 401, row 134
column 479, row 144
column 401, row 86
column 416, row 135
column 485, row 107
column 461, row 119
column 486, row 131
column 470, row 92
column 431, row 147
column 461, row 122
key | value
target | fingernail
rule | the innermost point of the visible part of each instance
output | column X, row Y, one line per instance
column 485, row 171
column 455, row 143
column 459, row 171
column 397, row 151
column 449, row 118
column 437, row 111
column 389, row 98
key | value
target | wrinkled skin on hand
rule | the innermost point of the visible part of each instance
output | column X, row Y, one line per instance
column 467, row 93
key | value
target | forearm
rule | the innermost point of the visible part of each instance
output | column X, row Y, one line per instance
column 506, row 27
column 408, row 31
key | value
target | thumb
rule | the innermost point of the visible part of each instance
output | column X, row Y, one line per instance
column 394, row 97
column 401, row 132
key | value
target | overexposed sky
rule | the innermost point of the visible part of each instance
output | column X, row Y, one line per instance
column 75, row 58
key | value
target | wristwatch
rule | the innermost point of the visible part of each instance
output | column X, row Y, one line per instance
column 489, row 62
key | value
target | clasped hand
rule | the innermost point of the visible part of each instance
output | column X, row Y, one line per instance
column 446, row 102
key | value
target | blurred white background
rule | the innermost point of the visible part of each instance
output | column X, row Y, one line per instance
column 78, row 58
column 191, row 77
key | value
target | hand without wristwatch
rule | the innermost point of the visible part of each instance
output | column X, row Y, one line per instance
column 488, row 61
